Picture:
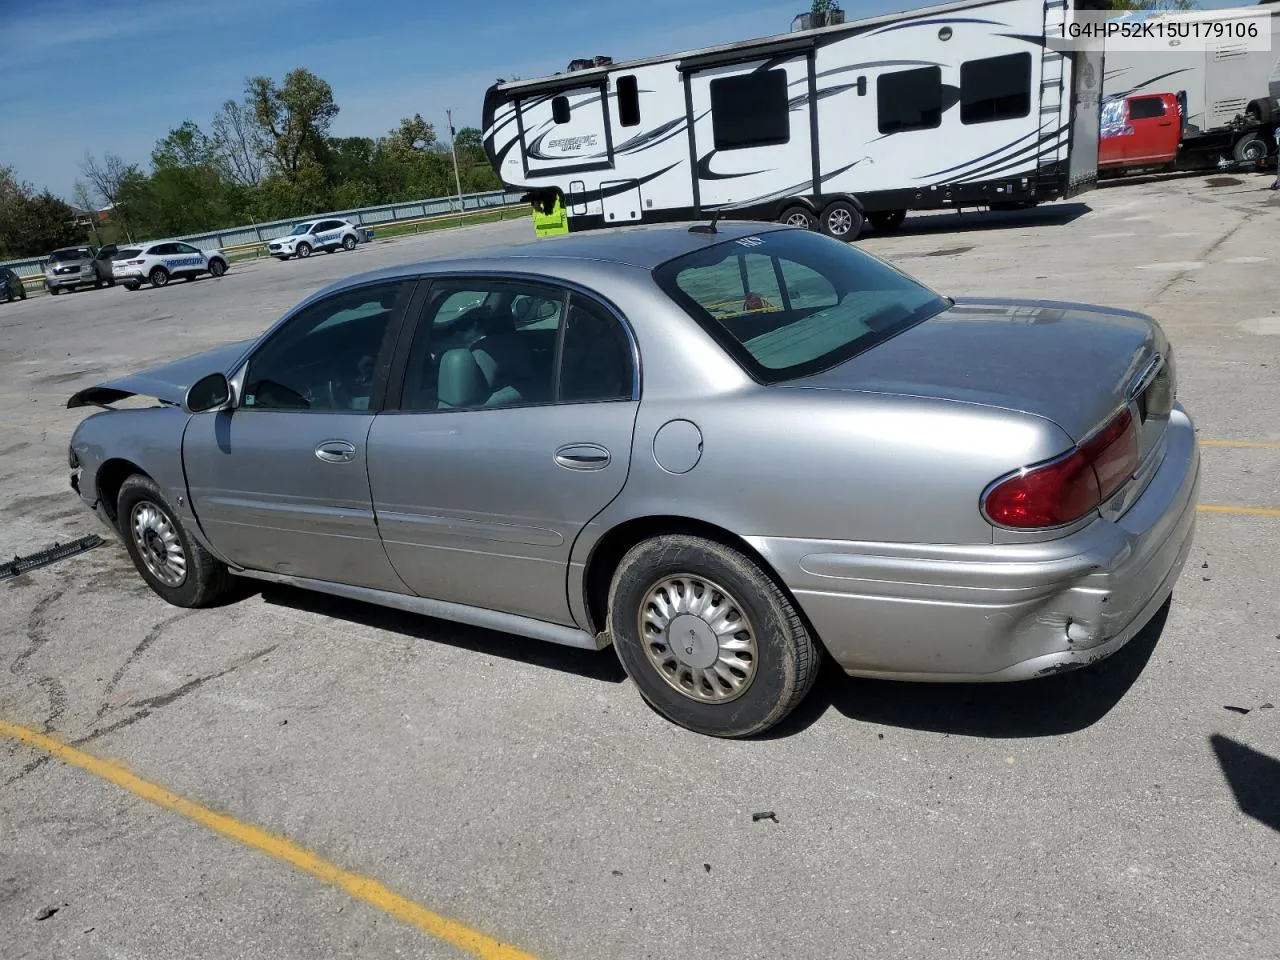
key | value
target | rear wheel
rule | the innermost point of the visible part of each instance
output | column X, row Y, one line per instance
column 1249, row 149
column 172, row 562
column 887, row 220
column 304, row 250
column 842, row 220
column 708, row 638
column 159, row 277
column 348, row 243
column 799, row 216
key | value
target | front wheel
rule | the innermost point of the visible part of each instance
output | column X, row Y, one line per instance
column 159, row 277
column 217, row 268
column 172, row 562
column 54, row 291
column 348, row 243
column 841, row 220
column 304, row 250
column 887, row 220
column 708, row 638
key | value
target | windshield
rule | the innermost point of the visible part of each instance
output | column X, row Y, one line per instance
column 300, row 229
column 59, row 255
column 789, row 303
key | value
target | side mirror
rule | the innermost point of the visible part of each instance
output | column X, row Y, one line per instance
column 212, row 392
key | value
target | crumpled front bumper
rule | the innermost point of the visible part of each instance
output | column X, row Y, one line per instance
column 997, row 612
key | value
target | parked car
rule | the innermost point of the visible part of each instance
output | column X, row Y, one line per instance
column 73, row 267
column 723, row 449
column 158, row 263
column 305, row 238
column 1140, row 131
column 11, row 286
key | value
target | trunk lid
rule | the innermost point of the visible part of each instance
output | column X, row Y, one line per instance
column 1070, row 363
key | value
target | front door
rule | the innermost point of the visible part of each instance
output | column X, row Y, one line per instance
column 493, row 463
column 1155, row 134
column 280, row 483
column 751, row 132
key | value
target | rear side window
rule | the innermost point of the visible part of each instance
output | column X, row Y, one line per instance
column 789, row 304
column 750, row 110
column 628, row 101
column 995, row 88
column 1146, row 108
column 909, row 100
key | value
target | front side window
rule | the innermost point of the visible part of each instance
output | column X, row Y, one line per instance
column 995, row 88
column 789, row 304
column 326, row 357
column 750, row 110
column 909, row 100
column 300, row 229
column 186, row 248
column 482, row 344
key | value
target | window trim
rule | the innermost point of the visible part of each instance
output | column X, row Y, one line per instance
column 897, row 73
column 390, row 342
column 755, row 144
column 1013, row 116
column 394, row 393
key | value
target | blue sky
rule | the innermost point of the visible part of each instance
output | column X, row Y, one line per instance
column 116, row 75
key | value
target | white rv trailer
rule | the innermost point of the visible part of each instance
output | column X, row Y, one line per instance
column 960, row 105
column 1230, row 94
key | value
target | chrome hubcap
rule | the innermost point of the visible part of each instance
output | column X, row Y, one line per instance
column 698, row 638
column 156, row 538
column 839, row 222
column 798, row 220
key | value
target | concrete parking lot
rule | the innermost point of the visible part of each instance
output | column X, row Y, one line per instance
column 525, row 792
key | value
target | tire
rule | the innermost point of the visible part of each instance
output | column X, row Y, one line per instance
column 97, row 284
column 1249, row 149
column 782, row 665
column 348, row 243
column 217, row 268
column 303, row 250
column 143, row 514
column 886, row 221
column 159, row 277
column 131, row 285
column 1259, row 111
column 54, row 291
column 842, row 220
column 798, row 216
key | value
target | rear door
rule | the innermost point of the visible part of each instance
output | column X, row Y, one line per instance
column 1155, row 131
column 751, row 132
column 514, row 430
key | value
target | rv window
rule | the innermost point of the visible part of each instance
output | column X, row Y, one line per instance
column 560, row 109
column 628, row 101
column 750, row 110
column 997, row 88
column 909, row 100
column 1146, row 108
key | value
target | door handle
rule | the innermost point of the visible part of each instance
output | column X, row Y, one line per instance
column 1166, row 123
column 335, row 451
column 583, row 456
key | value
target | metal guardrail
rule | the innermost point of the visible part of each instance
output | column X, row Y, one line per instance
column 386, row 214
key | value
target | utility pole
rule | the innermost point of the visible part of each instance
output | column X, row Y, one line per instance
column 453, row 149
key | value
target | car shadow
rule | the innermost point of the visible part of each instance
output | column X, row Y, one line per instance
column 1046, row 707
column 599, row 665
column 924, row 224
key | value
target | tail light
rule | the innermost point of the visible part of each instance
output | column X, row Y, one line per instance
column 1065, row 489
column 135, row 263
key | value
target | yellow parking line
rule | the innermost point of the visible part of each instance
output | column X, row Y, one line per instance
column 1264, row 444
column 362, row 888
column 1246, row 511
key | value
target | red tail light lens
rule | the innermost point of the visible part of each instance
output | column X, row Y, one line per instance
column 1065, row 489
column 135, row 262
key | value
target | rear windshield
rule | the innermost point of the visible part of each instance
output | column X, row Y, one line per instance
column 790, row 303
column 125, row 254
column 69, row 255
column 300, row 229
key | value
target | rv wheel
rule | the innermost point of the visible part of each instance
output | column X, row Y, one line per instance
column 799, row 216
column 841, row 220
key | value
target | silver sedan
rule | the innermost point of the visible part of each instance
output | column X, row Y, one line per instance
column 726, row 451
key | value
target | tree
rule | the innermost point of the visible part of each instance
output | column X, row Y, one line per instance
column 185, row 146
column 240, row 144
column 414, row 133
column 295, row 118
column 469, row 138
column 32, row 224
column 107, row 178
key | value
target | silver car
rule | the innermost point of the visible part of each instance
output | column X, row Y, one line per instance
column 723, row 450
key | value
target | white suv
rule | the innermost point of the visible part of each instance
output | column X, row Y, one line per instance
column 305, row 238
column 158, row 263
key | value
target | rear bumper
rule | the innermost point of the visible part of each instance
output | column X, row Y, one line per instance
column 998, row 612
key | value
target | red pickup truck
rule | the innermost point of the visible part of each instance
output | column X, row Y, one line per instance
column 1142, row 130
